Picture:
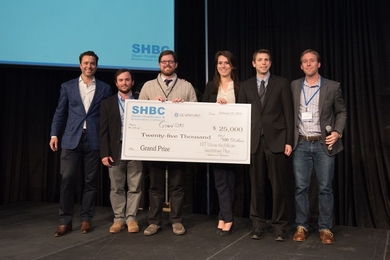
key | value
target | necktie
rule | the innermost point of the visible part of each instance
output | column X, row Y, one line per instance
column 262, row 91
column 167, row 81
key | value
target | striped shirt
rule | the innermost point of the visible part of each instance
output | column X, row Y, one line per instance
column 309, row 103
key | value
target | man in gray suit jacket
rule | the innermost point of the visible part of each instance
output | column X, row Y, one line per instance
column 79, row 107
column 319, row 120
column 125, row 175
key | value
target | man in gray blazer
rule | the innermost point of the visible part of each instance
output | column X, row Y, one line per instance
column 319, row 120
column 79, row 107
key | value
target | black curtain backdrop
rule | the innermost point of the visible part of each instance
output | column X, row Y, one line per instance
column 352, row 37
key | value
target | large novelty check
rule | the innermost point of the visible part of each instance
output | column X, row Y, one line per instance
column 186, row 132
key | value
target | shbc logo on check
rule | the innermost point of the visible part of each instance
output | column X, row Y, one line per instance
column 148, row 110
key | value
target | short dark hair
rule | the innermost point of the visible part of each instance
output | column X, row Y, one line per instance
column 313, row 52
column 262, row 51
column 120, row 71
column 89, row 53
column 168, row 52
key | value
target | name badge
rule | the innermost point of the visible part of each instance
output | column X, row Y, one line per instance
column 307, row 116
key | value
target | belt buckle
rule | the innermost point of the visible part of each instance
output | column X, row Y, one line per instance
column 304, row 137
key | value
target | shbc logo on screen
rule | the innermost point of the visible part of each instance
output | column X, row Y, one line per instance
column 148, row 48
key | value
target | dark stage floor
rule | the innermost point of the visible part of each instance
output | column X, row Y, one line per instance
column 26, row 232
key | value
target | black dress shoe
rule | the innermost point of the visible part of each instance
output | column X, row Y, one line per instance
column 224, row 233
column 218, row 231
column 280, row 235
column 63, row 230
column 257, row 233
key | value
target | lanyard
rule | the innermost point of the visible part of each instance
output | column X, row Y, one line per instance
column 122, row 111
column 120, row 105
column 166, row 95
column 315, row 93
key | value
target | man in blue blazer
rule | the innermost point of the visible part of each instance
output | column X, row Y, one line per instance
column 79, row 107
column 319, row 121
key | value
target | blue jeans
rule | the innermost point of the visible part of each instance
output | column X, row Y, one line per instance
column 305, row 155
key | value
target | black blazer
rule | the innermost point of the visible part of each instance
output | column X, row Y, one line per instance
column 208, row 96
column 275, row 116
column 110, row 129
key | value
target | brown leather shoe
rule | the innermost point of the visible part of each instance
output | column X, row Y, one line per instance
column 327, row 237
column 151, row 230
column 178, row 229
column 85, row 227
column 117, row 227
column 132, row 226
column 300, row 235
column 63, row 230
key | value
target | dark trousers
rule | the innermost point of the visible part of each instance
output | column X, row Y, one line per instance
column 224, row 177
column 70, row 161
column 157, row 188
column 265, row 163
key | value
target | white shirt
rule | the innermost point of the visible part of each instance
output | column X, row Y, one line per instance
column 86, row 93
column 228, row 95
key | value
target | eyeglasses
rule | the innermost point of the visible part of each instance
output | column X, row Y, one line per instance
column 167, row 62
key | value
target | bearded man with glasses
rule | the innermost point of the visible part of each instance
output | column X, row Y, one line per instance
column 166, row 87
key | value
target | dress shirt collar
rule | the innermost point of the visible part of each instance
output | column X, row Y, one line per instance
column 93, row 80
column 122, row 99
column 258, row 79
column 316, row 85
column 164, row 78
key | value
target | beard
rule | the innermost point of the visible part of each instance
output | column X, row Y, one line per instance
column 168, row 72
column 125, row 91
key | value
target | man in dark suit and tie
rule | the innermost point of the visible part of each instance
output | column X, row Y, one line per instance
column 319, row 120
column 79, row 107
column 271, row 143
column 125, row 175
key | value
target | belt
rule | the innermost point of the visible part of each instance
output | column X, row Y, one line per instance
column 311, row 138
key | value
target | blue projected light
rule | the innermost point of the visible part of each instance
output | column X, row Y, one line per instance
column 123, row 33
